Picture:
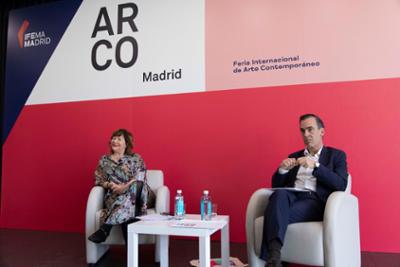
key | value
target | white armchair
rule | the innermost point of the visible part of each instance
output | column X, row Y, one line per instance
column 334, row 242
column 155, row 179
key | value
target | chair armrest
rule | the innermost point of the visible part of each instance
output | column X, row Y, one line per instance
column 255, row 208
column 162, row 199
column 341, row 230
column 94, row 204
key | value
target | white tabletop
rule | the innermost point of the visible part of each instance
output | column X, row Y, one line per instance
column 191, row 225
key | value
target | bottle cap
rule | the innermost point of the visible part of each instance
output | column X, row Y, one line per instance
column 179, row 191
column 205, row 192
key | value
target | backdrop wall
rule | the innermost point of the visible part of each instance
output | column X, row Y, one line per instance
column 229, row 142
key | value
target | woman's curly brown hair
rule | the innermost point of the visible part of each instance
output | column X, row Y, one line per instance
column 128, row 140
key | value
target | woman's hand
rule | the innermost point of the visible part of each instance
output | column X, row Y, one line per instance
column 118, row 188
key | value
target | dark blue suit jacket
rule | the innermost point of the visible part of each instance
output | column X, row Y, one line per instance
column 331, row 174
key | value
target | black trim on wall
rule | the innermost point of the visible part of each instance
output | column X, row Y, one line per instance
column 5, row 7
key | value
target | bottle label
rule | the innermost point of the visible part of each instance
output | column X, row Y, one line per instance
column 180, row 207
column 205, row 209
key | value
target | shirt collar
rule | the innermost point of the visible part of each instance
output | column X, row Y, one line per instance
column 307, row 153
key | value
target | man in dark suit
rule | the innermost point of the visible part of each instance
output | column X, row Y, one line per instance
column 317, row 171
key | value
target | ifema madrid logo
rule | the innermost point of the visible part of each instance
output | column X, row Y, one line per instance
column 31, row 39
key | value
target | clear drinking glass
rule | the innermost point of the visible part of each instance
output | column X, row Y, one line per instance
column 214, row 210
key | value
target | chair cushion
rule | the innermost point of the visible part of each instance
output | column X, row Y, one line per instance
column 299, row 234
column 258, row 234
column 155, row 179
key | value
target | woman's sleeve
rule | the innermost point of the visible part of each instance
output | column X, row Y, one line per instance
column 100, row 176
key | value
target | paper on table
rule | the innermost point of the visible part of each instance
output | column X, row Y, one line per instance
column 155, row 217
column 196, row 224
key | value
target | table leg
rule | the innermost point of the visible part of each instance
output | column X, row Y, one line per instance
column 132, row 250
column 225, row 245
column 164, row 250
column 204, row 251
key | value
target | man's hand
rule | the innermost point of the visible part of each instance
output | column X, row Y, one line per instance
column 118, row 188
column 288, row 164
column 306, row 162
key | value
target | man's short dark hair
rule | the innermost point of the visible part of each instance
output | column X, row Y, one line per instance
column 320, row 123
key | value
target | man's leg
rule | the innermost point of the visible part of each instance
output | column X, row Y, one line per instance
column 284, row 208
column 307, row 207
column 276, row 219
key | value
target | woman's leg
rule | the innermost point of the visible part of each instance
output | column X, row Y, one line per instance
column 124, row 228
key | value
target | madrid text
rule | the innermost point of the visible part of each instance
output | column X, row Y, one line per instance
column 162, row 76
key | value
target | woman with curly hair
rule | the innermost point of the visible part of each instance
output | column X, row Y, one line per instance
column 122, row 174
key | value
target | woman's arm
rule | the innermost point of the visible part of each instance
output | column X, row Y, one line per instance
column 137, row 171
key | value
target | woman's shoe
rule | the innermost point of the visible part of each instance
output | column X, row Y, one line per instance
column 99, row 236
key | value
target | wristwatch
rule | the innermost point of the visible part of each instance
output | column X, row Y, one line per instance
column 317, row 165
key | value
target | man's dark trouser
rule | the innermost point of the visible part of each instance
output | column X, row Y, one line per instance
column 287, row 207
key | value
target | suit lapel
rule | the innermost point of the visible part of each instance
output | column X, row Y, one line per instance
column 324, row 157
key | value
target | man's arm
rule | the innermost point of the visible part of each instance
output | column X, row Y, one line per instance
column 335, row 178
column 281, row 176
column 279, row 180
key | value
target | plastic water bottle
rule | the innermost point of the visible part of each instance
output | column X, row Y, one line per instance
column 179, row 205
column 205, row 206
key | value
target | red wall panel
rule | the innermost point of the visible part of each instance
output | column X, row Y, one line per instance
column 228, row 142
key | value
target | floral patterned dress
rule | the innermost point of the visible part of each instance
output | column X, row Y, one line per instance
column 121, row 208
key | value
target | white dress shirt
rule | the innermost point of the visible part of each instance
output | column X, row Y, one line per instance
column 305, row 178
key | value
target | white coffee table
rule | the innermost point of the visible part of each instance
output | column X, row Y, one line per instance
column 193, row 226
